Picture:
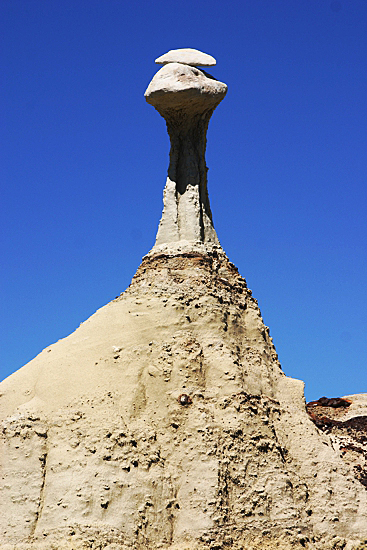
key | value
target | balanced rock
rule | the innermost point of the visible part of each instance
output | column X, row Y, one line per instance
column 188, row 56
column 165, row 420
column 178, row 84
column 186, row 97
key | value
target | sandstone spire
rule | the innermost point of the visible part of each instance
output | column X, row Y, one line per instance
column 186, row 98
column 165, row 421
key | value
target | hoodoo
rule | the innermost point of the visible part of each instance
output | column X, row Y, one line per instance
column 186, row 98
column 165, row 420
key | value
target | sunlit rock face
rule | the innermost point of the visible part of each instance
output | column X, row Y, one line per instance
column 165, row 421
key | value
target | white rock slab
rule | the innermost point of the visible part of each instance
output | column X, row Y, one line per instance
column 187, row 56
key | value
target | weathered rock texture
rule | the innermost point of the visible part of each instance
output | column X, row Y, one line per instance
column 345, row 419
column 186, row 97
column 99, row 451
column 165, row 420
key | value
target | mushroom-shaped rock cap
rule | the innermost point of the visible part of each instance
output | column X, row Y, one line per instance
column 187, row 56
column 177, row 86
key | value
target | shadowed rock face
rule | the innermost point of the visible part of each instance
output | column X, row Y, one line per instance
column 186, row 98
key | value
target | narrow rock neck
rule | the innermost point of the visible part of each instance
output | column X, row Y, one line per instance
column 186, row 214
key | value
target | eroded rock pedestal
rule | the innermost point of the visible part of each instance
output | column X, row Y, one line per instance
column 165, row 420
column 186, row 98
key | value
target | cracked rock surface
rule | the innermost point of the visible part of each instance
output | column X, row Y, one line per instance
column 165, row 421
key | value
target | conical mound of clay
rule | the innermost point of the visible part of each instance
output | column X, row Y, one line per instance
column 165, row 420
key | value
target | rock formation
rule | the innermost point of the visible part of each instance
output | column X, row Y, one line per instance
column 186, row 98
column 345, row 419
column 165, row 420
column 187, row 56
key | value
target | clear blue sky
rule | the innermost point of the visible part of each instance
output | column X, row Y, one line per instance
column 84, row 162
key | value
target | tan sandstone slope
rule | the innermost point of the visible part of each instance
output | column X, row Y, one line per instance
column 165, row 420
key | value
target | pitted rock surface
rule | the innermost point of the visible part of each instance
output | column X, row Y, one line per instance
column 99, row 452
